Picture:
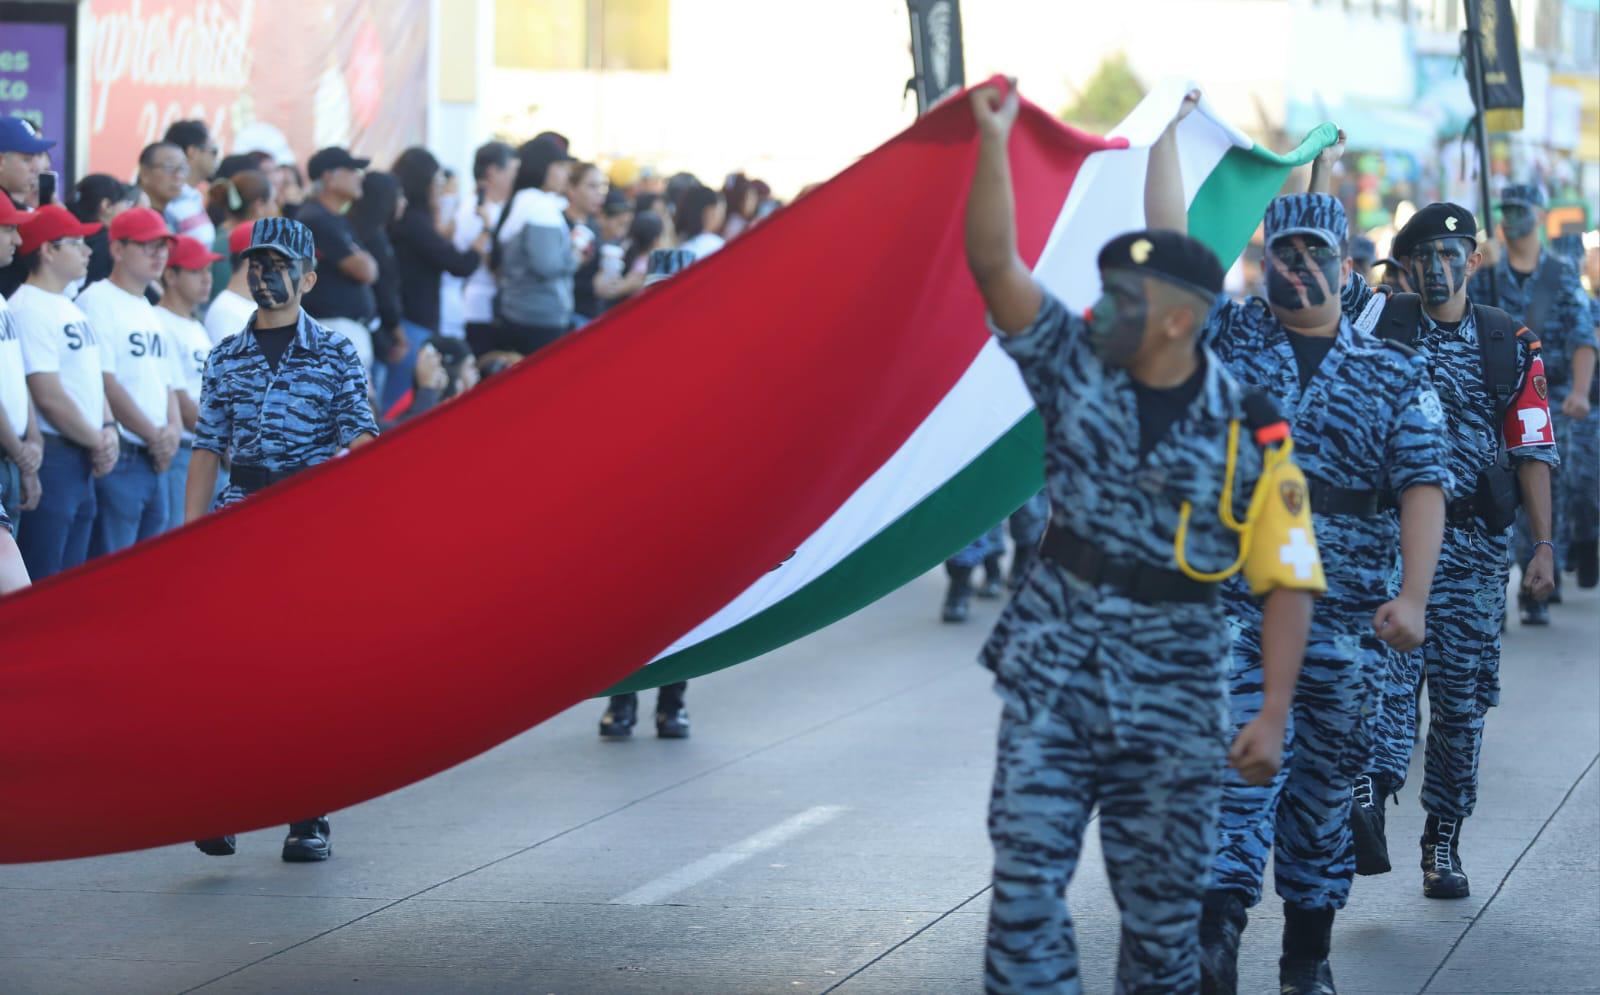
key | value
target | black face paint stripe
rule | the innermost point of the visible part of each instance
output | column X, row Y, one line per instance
column 1290, row 278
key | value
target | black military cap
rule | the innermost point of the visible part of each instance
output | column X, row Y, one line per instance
column 1166, row 255
column 1436, row 221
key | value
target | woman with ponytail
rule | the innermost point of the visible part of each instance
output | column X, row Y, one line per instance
column 98, row 199
column 240, row 199
column 533, row 255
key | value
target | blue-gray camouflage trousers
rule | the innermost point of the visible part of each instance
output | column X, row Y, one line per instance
column 1578, row 483
column 1461, row 657
column 1027, row 526
column 1157, row 792
column 1303, row 816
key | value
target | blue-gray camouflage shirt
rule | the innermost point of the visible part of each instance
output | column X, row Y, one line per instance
column 1368, row 420
column 312, row 407
column 1568, row 324
column 1105, row 493
column 1455, row 364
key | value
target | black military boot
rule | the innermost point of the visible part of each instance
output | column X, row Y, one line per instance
column 307, row 841
column 1370, row 792
column 1442, row 873
column 219, row 846
column 994, row 578
column 1303, row 969
column 621, row 714
column 1586, row 558
column 1222, row 921
column 1021, row 560
column 959, row 594
column 1534, row 612
column 672, row 719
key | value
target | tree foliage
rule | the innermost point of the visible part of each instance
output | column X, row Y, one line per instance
column 1111, row 93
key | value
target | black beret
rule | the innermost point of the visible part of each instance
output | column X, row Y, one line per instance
column 1437, row 220
column 1166, row 255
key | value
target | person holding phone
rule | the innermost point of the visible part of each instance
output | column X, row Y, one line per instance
column 23, row 156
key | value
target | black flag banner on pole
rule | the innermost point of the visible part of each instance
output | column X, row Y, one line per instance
column 935, row 51
column 1495, row 29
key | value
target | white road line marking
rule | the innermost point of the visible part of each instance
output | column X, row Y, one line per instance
column 710, row 866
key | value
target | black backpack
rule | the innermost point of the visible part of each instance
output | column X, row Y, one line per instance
column 1498, row 333
column 1496, row 493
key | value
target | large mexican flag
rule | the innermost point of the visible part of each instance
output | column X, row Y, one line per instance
column 979, row 453
column 739, row 456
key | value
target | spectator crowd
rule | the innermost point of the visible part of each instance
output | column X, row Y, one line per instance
column 113, row 294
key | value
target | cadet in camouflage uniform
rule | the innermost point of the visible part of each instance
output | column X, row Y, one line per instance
column 1027, row 525
column 1109, row 659
column 1461, row 653
column 283, row 395
column 1365, row 420
column 1540, row 289
column 1578, row 415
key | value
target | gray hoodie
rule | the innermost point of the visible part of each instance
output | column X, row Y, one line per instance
column 536, row 262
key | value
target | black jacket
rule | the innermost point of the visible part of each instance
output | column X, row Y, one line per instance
column 425, row 256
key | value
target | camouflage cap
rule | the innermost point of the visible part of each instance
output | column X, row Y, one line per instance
column 1317, row 214
column 667, row 262
column 1525, row 194
column 287, row 237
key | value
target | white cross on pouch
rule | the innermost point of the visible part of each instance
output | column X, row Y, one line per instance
column 1299, row 553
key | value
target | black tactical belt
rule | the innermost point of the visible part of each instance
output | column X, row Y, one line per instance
column 250, row 478
column 1327, row 499
column 1129, row 578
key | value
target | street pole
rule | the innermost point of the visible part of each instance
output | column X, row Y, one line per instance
column 1472, row 52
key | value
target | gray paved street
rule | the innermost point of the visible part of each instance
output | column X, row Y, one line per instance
column 823, row 831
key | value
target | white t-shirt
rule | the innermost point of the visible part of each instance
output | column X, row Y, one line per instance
column 477, row 290
column 187, row 348
column 228, row 314
column 703, row 244
column 57, row 338
column 13, row 382
column 132, row 348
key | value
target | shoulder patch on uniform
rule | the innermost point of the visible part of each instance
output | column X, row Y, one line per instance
column 1428, row 401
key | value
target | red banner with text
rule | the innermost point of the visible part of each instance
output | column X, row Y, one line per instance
column 285, row 76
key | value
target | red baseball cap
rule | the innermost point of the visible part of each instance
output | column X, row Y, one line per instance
column 10, row 214
column 190, row 253
column 140, row 224
column 239, row 238
column 49, row 223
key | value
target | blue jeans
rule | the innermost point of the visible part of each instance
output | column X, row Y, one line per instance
column 11, row 492
column 55, row 536
column 132, row 502
column 177, row 481
column 391, row 380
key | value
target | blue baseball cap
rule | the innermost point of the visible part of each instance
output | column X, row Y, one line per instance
column 286, row 237
column 19, row 135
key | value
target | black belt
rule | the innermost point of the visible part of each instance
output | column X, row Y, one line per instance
column 126, row 448
column 1327, row 499
column 1129, row 578
column 250, row 478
